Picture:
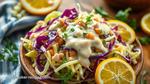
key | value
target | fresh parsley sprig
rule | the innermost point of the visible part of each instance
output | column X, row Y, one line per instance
column 120, row 15
column 8, row 52
column 123, row 15
column 144, row 40
column 101, row 11
column 66, row 74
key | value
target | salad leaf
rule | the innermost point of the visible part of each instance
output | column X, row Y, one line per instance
column 8, row 52
column 66, row 74
column 123, row 15
column 144, row 40
column 101, row 11
column 133, row 24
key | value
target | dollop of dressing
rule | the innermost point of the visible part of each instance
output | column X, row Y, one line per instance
column 83, row 47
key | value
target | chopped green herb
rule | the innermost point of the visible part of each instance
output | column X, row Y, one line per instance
column 66, row 77
column 65, row 74
column 133, row 24
column 8, row 52
column 123, row 15
column 65, row 35
column 101, row 11
column 2, row 57
column 72, row 30
column 88, row 19
column 144, row 40
column 64, row 60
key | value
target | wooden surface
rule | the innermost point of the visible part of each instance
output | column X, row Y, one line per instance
column 88, row 5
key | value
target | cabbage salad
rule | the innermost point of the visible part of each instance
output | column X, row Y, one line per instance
column 69, row 47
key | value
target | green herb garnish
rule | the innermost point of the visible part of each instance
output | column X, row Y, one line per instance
column 8, row 52
column 88, row 19
column 65, row 35
column 133, row 23
column 144, row 40
column 65, row 74
column 72, row 30
column 123, row 15
column 101, row 11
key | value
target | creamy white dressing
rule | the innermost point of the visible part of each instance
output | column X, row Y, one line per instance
column 104, row 28
column 83, row 47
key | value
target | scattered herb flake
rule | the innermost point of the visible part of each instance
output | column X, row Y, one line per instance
column 144, row 40
column 72, row 30
column 101, row 11
column 8, row 52
column 65, row 35
column 133, row 24
column 88, row 19
column 123, row 15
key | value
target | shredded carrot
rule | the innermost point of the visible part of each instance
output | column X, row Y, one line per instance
column 90, row 36
column 52, row 51
column 97, row 31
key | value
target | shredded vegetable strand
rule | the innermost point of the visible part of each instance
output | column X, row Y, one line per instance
column 48, row 56
column 65, row 65
column 41, row 73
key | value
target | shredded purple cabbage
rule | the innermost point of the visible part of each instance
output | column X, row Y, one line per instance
column 52, row 36
column 51, row 21
column 39, row 66
column 41, row 40
column 103, row 55
column 29, row 33
column 37, row 30
column 115, row 28
column 120, row 40
column 40, row 29
column 70, row 13
column 112, row 43
column 45, row 40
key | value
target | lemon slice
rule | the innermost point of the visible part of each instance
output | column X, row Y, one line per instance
column 114, row 71
column 145, row 23
column 40, row 7
column 126, row 32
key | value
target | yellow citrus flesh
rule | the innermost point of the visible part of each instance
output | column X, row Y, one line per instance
column 40, row 7
column 114, row 71
column 126, row 32
column 145, row 23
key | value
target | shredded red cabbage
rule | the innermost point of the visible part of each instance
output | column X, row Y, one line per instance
column 45, row 40
column 39, row 29
column 115, row 28
column 70, row 13
column 112, row 43
column 29, row 33
column 51, row 21
column 103, row 55
column 39, row 66
column 52, row 36
column 120, row 40
column 41, row 40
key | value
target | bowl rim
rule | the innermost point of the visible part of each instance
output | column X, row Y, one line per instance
column 27, row 71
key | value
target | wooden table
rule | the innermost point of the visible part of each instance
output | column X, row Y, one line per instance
column 88, row 5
